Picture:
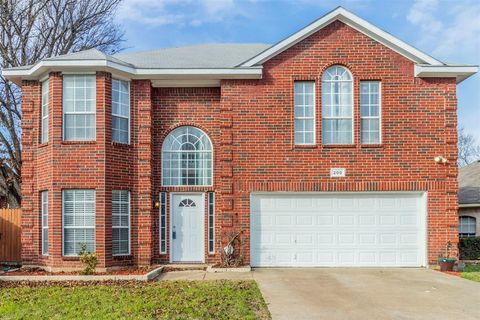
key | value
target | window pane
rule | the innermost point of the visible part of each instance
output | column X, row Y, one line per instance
column 187, row 160
column 304, row 112
column 370, row 111
column 79, row 107
column 120, row 111
column 120, row 222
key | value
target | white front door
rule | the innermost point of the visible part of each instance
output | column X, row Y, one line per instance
column 187, row 227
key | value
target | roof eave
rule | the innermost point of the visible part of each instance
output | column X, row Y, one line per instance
column 446, row 71
column 355, row 22
column 45, row 66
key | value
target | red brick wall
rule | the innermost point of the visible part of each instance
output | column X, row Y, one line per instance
column 250, row 123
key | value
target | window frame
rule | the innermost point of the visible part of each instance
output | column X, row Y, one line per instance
column 211, row 225
column 45, row 96
column 64, row 114
column 43, row 214
column 312, row 118
column 163, row 227
column 352, row 103
column 379, row 117
column 464, row 234
column 63, row 222
column 123, row 227
column 212, row 157
column 121, row 116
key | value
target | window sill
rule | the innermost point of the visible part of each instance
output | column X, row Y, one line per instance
column 341, row 146
column 70, row 258
column 43, row 145
column 367, row 146
column 122, row 257
column 305, row 146
column 78, row 142
column 121, row 145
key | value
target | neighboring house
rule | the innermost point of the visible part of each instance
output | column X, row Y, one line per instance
column 320, row 149
column 469, row 200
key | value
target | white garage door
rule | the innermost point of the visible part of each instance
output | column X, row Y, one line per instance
column 337, row 229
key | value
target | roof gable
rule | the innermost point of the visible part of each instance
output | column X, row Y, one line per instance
column 353, row 21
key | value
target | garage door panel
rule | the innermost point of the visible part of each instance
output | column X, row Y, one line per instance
column 337, row 230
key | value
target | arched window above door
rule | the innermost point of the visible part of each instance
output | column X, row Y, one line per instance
column 187, row 158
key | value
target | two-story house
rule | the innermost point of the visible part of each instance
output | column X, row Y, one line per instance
column 336, row 146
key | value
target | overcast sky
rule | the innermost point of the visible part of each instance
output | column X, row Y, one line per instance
column 449, row 30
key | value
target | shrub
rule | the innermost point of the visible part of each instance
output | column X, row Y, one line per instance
column 89, row 259
column 469, row 248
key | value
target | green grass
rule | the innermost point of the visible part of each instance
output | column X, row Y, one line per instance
column 472, row 272
column 134, row 300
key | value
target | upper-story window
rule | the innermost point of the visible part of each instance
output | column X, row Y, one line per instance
column 120, row 111
column 370, row 112
column 337, row 106
column 79, row 107
column 304, row 112
column 44, row 121
column 187, row 158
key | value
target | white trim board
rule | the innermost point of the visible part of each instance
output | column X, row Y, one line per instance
column 353, row 21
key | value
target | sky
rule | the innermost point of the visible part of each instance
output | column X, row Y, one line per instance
column 448, row 30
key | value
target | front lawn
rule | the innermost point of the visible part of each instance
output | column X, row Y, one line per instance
column 133, row 300
column 472, row 272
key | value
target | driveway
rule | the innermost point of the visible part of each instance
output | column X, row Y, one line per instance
column 367, row 293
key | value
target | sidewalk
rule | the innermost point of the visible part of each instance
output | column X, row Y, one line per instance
column 204, row 275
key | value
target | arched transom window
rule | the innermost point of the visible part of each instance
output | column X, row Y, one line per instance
column 187, row 158
column 337, row 106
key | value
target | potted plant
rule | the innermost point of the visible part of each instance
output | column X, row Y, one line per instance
column 446, row 262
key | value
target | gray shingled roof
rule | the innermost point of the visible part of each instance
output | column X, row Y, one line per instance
column 469, row 184
column 227, row 55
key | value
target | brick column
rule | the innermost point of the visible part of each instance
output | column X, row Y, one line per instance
column 31, row 104
column 141, row 91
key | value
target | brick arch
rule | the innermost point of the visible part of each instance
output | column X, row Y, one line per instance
column 344, row 64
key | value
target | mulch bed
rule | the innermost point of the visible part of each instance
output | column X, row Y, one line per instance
column 41, row 272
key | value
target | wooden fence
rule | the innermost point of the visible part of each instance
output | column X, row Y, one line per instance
column 10, row 230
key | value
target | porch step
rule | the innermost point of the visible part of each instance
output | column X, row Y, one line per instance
column 184, row 267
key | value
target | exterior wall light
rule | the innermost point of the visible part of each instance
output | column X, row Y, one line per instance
column 440, row 159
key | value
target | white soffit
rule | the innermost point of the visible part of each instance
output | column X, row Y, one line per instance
column 447, row 71
column 355, row 22
column 186, row 83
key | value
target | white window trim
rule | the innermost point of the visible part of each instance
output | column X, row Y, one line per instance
column 306, row 118
column 64, row 114
column 352, row 118
column 129, row 111
column 213, row 222
column 469, row 218
column 63, row 224
column 190, row 151
column 369, row 117
column 43, row 138
column 42, row 204
column 122, row 227
column 162, row 228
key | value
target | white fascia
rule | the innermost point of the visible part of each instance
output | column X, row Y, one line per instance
column 446, row 71
column 45, row 66
column 355, row 22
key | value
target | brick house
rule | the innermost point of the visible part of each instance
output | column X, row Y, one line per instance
column 319, row 149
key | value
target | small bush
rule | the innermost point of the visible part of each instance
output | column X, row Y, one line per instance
column 89, row 259
column 469, row 248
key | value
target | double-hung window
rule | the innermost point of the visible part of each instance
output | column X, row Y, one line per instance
column 79, row 107
column 304, row 112
column 44, row 121
column 370, row 112
column 337, row 106
column 467, row 227
column 78, row 221
column 120, row 222
column 44, row 208
column 120, row 111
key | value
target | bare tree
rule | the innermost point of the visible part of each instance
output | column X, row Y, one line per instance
column 468, row 148
column 31, row 30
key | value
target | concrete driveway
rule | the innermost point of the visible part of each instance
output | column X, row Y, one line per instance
column 364, row 293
